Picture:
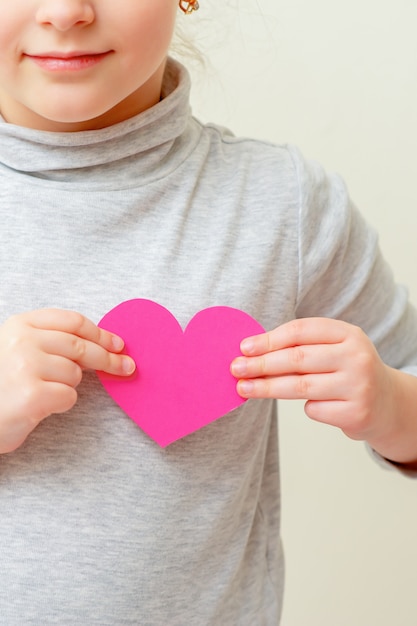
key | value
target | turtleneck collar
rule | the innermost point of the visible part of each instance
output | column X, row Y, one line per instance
column 130, row 153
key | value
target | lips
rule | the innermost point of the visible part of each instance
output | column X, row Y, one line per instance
column 68, row 61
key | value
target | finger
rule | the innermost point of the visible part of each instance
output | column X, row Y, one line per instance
column 57, row 398
column 308, row 331
column 297, row 360
column 76, row 324
column 85, row 353
column 335, row 413
column 60, row 370
column 305, row 387
column 328, row 412
column 347, row 415
column 44, row 398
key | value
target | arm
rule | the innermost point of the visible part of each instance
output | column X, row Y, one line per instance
column 362, row 381
column 42, row 356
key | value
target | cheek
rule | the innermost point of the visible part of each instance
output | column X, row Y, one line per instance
column 10, row 70
column 149, row 32
column 144, row 50
column 15, row 24
column 12, row 35
column 8, row 46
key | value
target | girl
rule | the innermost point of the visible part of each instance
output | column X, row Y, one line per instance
column 110, row 190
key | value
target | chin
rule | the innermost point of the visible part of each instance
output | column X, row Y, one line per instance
column 72, row 120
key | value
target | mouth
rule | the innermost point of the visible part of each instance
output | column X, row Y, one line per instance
column 67, row 61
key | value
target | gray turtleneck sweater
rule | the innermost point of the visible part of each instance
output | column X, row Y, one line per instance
column 99, row 525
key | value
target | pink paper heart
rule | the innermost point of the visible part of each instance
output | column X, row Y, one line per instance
column 183, row 380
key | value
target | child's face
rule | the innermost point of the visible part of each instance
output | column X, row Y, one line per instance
column 68, row 65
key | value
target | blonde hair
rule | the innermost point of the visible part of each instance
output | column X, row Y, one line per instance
column 183, row 46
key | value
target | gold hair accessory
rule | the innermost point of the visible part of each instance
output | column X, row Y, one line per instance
column 188, row 6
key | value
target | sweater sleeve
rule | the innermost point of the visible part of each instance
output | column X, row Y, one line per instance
column 342, row 273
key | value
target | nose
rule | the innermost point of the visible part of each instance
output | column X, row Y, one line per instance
column 65, row 14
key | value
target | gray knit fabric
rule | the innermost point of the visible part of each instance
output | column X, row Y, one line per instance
column 98, row 525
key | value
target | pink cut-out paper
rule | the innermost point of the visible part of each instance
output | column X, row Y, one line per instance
column 182, row 380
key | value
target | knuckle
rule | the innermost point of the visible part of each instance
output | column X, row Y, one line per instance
column 14, row 320
column 76, row 322
column 266, row 391
column 357, row 331
column 357, row 337
column 261, row 365
column 22, row 365
column 297, row 331
column 269, row 342
column 77, row 375
column 27, row 398
column 296, row 357
column 302, row 387
column 68, row 399
column 63, row 400
column 78, row 348
column 111, row 364
column 15, row 337
column 364, row 364
column 30, row 402
column 263, row 388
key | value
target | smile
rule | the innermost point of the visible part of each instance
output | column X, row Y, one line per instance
column 71, row 62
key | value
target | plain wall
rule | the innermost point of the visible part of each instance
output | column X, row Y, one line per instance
column 339, row 80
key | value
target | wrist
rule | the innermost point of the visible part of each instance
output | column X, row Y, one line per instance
column 398, row 440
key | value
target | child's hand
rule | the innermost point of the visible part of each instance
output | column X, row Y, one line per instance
column 331, row 364
column 42, row 356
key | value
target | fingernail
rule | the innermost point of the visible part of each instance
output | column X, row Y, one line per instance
column 247, row 346
column 245, row 387
column 239, row 367
column 128, row 365
column 117, row 342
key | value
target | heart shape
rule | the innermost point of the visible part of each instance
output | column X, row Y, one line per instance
column 182, row 380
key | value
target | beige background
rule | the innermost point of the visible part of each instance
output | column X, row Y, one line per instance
column 339, row 79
